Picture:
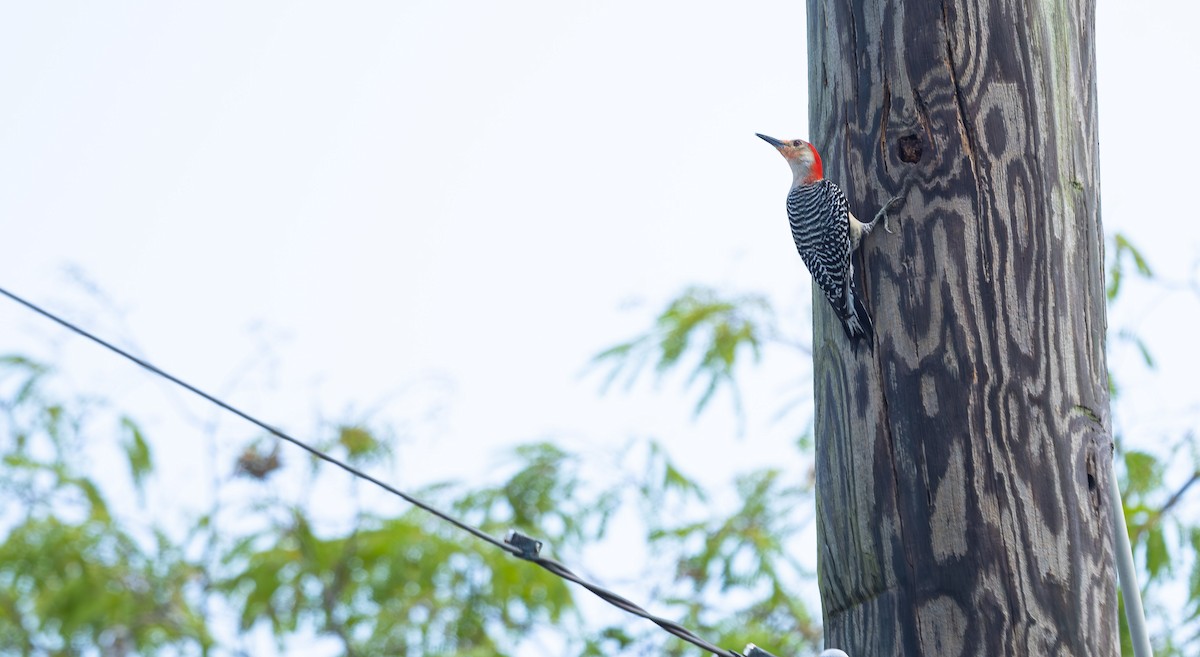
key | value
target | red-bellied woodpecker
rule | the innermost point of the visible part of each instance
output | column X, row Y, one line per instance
column 827, row 233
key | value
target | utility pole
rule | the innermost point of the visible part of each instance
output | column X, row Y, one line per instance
column 963, row 467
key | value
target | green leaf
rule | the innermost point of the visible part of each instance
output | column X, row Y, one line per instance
column 1158, row 558
column 97, row 507
column 357, row 441
column 1147, row 357
column 1194, row 579
column 714, row 330
column 1123, row 250
column 1126, row 335
column 1125, row 246
column 137, row 453
column 1144, row 472
column 674, row 479
column 32, row 371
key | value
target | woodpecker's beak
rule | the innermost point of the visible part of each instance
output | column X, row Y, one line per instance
column 771, row 140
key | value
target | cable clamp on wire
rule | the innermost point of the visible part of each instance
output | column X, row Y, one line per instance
column 528, row 547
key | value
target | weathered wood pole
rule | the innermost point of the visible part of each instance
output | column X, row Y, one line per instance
column 962, row 467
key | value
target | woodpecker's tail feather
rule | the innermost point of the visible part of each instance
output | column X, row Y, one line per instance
column 858, row 325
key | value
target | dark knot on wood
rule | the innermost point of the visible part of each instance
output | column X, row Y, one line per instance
column 910, row 148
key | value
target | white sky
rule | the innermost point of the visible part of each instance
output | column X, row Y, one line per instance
column 460, row 198
column 404, row 189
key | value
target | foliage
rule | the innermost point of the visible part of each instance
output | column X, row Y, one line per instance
column 1157, row 477
column 72, row 577
column 1122, row 252
column 78, row 576
column 1166, row 542
column 749, row 550
column 723, row 327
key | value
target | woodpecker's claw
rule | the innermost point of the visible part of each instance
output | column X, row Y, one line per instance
column 883, row 213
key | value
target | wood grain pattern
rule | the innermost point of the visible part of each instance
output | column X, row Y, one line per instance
column 961, row 467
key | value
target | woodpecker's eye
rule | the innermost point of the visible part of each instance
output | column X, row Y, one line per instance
column 796, row 143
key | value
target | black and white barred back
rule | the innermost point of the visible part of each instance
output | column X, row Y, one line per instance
column 820, row 218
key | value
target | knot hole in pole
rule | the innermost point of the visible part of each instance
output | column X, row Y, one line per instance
column 910, row 148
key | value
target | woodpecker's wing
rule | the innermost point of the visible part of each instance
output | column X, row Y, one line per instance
column 820, row 220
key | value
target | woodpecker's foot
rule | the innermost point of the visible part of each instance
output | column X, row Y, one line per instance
column 883, row 212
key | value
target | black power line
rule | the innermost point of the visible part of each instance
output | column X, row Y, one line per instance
column 516, row 544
